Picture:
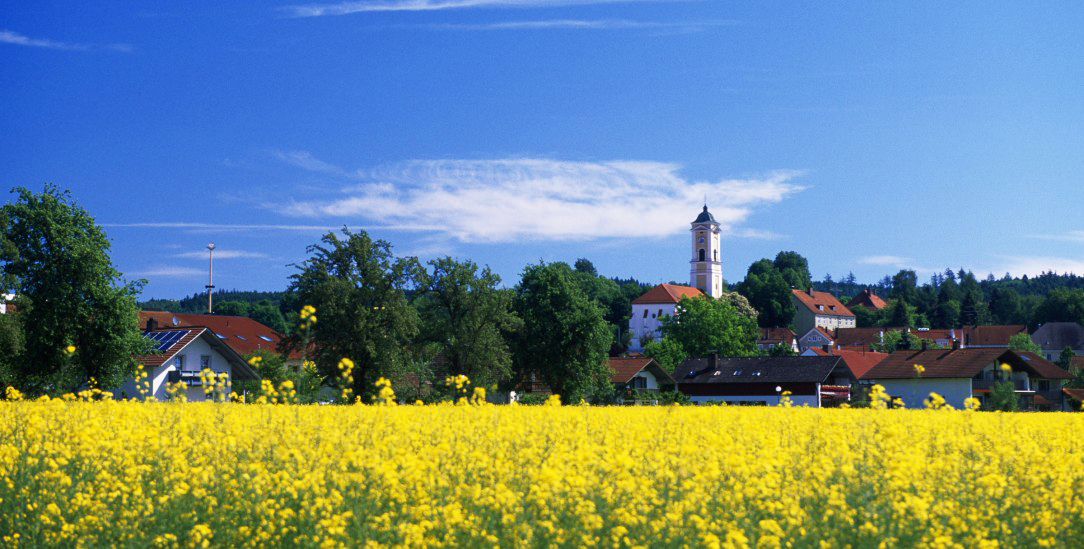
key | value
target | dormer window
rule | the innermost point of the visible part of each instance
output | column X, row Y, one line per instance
column 820, row 307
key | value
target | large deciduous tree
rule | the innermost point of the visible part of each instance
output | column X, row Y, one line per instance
column 703, row 326
column 564, row 338
column 769, row 293
column 68, row 293
column 467, row 316
column 358, row 289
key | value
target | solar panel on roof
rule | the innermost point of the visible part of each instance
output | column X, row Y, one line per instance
column 165, row 339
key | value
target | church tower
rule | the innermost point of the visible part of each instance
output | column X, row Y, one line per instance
column 706, row 269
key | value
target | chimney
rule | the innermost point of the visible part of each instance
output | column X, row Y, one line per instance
column 713, row 361
column 925, row 345
column 955, row 344
column 152, row 324
column 811, row 291
column 827, row 348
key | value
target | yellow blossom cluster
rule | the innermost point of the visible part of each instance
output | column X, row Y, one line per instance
column 129, row 474
column 308, row 317
column 385, row 394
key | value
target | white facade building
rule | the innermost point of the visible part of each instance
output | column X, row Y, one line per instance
column 649, row 309
column 184, row 353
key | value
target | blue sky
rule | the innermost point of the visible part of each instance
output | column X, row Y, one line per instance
column 869, row 137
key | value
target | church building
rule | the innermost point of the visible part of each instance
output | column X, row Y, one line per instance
column 705, row 278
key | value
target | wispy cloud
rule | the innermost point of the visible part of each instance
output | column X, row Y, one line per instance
column 172, row 272
column 505, row 200
column 580, row 24
column 220, row 227
column 346, row 8
column 9, row 37
column 223, row 254
column 1071, row 236
column 756, row 234
column 1035, row 265
column 890, row 260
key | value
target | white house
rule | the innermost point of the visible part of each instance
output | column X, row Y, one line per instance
column 957, row 374
column 181, row 355
column 649, row 309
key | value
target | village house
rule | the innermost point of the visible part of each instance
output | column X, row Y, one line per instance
column 759, row 381
column 775, row 337
column 181, row 355
column 242, row 334
column 1054, row 337
column 649, row 309
column 868, row 299
column 819, row 309
column 638, row 374
column 957, row 374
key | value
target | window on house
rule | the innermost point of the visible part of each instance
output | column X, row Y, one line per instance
column 638, row 382
column 178, row 362
column 645, row 313
column 1043, row 384
column 660, row 313
column 204, row 362
column 701, row 254
column 716, row 255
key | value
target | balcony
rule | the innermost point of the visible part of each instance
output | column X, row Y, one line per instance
column 987, row 384
column 190, row 377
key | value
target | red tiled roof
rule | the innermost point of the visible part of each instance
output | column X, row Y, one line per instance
column 860, row 337
column 777, row 335
column 867, row 299
column 861, row 362
column 242, row 334
column 667, row 293
column 948, row 363
column 1077, row 362
column 991, row 335
column 1075, row 394
column 625, row 368
column 821, row 303
column 1040, row 400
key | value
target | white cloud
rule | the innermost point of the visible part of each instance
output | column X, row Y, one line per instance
column 505, row 200
column 1071, row 236
column 890, row 260
column 345, row 8
column 223, row 254
column 1035, row 265
column 756, row 234
column 172, row 272
column 221, row 227
column 305, row 161
column 580, row 24
column 9, row 37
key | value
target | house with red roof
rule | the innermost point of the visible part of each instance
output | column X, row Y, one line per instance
column 181, row 354
column 819, row 309
column 649, row 309
column 638, row 374
column 816, row 338
column 774, row 337
column 957, row 374
column 242, row 334
column 868, row 299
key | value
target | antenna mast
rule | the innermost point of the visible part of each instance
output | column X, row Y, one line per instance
column 210, row 275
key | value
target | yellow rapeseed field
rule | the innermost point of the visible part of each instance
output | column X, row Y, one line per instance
column 126, row 474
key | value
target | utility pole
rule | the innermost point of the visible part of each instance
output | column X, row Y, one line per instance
column 210, row 275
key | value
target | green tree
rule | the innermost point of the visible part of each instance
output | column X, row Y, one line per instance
column 267, row 313
column 900, row 315
column 1022, row 342
column 703, row 326
column 1005, row 306
column 769, row 293
column 57, row 260
column 358, row 289
column 867, row 318
column 468, row 317
column 795, row 270
column 1003, row 395
column 1061, row 305
column 564, row 339
column 946, row 314
column 904, row 287
column 1065, row 359
column 232, row 308
column 669, row 354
